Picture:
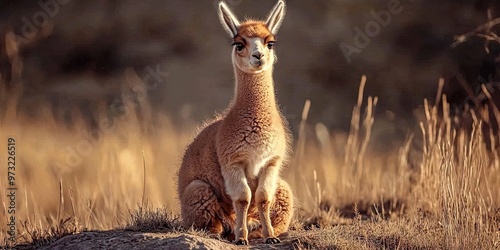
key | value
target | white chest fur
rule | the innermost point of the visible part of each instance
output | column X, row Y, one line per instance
column 257, row 163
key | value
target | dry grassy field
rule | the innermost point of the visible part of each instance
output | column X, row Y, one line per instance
column 437, row 190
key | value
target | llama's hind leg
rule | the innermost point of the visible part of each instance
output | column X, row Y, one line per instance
column 281, row 212
column 200, row 208
column 282, row 208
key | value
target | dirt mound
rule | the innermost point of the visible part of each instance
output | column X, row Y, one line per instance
column 120, row 239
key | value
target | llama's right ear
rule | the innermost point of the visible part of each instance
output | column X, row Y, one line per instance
column 275, row 17
column 228, row 19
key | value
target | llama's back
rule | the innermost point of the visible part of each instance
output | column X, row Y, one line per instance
column 200, row 161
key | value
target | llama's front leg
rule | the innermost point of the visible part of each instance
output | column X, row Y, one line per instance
column 264, row 196
column 237, row 188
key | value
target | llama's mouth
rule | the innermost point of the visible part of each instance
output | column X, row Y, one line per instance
column 257, row 64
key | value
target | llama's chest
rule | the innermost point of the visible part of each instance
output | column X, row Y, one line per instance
column 252, row 140
column 257, row 132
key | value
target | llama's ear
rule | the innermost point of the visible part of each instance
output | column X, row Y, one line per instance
column 228, row 19
column 275, row 17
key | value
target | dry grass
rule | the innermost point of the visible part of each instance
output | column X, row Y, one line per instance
column 449, row 188
column 94, row 177
column 443, row 194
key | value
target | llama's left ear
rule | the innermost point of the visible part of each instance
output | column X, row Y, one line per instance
column 275, row 17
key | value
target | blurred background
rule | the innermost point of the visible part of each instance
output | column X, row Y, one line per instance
column 76, row 52
column 104, row 95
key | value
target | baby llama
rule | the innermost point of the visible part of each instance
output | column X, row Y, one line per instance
column 229, row 181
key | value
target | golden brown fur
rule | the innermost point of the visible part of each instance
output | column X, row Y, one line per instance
column 253, row 28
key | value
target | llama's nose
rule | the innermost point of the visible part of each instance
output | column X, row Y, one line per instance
column 257, row 55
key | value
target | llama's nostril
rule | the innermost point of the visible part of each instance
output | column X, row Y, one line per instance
column 257, row 55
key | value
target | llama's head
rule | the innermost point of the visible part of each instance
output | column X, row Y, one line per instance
column 253, row 41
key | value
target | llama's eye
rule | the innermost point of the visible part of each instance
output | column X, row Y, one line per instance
column 270, row 45
column 239, row 46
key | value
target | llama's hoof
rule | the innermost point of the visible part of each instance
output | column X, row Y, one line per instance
column 241, row 242
column 273, row 241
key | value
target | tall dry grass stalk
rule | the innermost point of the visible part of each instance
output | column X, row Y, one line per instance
column 360, row 133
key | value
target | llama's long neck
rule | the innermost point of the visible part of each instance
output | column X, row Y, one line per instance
column 255, row 91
